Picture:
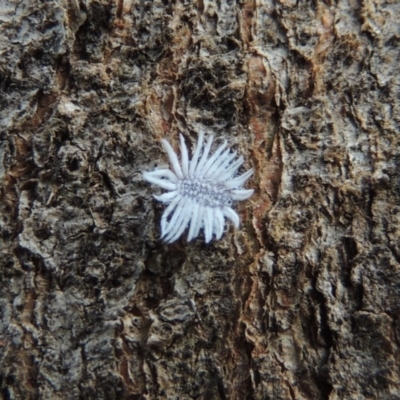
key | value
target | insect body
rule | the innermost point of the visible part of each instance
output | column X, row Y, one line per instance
column 200, row 190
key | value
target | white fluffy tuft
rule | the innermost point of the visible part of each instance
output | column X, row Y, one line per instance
column 200, row 190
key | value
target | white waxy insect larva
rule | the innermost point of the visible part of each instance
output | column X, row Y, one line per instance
column 200, row 190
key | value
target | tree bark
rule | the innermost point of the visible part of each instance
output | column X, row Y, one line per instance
column 301, row 302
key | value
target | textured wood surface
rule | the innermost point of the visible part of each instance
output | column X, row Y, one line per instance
column 302, row 302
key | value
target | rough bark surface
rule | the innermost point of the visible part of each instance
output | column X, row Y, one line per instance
column 302, row 302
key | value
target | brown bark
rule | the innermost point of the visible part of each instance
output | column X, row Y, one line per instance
column 302, row 302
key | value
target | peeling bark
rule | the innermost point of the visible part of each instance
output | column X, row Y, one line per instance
column 301, row 302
